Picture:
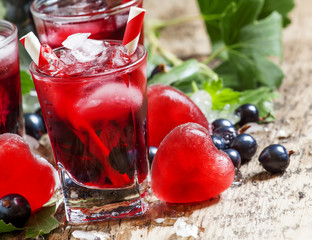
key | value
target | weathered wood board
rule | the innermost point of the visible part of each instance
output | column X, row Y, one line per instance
column 263, row 206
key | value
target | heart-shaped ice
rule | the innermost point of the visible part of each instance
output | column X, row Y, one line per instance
column 168, row 108
column 189, row 168
column 23, row 173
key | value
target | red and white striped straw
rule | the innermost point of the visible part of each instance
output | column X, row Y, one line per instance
column 36, row 50
column 133, row 29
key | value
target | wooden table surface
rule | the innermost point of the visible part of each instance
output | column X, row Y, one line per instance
column 263, row 206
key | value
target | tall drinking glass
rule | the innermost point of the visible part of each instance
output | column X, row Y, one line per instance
column 97, row 126
column 11, row 117
column 55, row 20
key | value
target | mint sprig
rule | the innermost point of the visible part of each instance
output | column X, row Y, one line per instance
column 220, row 96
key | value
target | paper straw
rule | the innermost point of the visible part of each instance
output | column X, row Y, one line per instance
column 36, row 50
column 133, row 29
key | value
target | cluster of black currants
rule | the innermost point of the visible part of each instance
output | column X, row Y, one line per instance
column 241, row 147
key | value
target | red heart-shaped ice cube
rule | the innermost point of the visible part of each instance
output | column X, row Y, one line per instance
column 188, row 167
column 23, row 173
column 168, row 108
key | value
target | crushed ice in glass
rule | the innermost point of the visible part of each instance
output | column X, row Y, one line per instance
column 84, row 56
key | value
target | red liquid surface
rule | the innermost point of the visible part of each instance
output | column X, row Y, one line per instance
column 110, row 26
column 97, row 125
column 10, row 95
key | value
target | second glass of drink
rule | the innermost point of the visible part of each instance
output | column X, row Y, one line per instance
column 55, row 20
column 11, row 115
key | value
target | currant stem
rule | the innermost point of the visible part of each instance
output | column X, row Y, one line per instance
column 243, row 129
column 159, row 24
column 153, row 40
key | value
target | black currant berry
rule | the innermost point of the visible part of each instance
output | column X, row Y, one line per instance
column 14, row 209
column 218, row 142
column 246, row 145
column 275, row 158
column 121, row 160
column 227, row 133
column 39, row 112
column 234, row 156
column 151, row 154
column 247, row 113
column 34, row 125
column 221, row 122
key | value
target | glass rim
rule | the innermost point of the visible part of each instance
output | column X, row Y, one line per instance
column 81, row 17
column 80, row 78
column 13, row 34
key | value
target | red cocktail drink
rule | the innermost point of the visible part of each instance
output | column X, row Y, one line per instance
column 56, row 20
column 95, row 111
column 11, row 119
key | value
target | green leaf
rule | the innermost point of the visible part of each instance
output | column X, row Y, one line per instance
column 237, row 16
column 42, row 222
column 228, row 73
column 282, row 6
column 4, row 228
column 262, row 37
column 268, row 73
column 183, row 72
column 245, row 70
column 248, row 58
column 212, row 11
column 238, row 72
column 183, row 75
column 26, row 82
column 220, row 96
column 243, row 34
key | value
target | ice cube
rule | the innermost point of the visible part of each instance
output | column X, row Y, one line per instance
column 119, row 56
column 92, row 47
column 83, row 49
column 76, row 40
column 110, row 101
column 203, row 100
column 82, row 57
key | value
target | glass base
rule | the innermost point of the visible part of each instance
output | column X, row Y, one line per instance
column 83, row 204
